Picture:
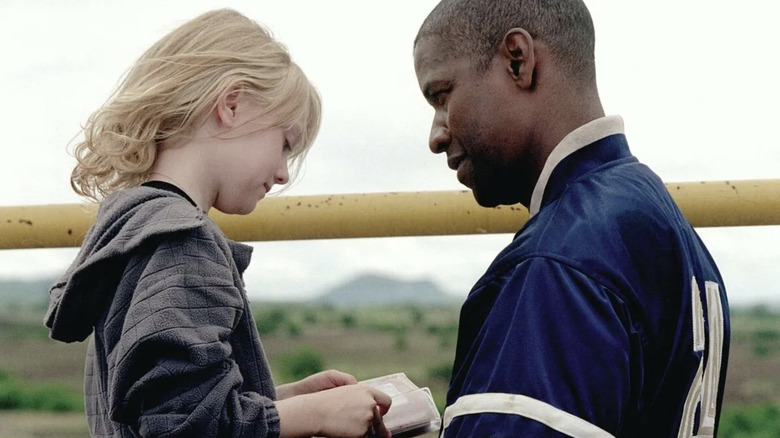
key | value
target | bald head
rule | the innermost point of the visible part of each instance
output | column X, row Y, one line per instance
column 476, row 28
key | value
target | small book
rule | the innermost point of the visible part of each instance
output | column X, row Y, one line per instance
column 413, row 411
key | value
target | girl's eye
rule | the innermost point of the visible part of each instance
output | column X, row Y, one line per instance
column 287, row 146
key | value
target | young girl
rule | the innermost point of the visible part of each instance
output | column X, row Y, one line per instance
column 208, row 117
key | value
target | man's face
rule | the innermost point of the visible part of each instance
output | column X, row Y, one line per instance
column 478, row 122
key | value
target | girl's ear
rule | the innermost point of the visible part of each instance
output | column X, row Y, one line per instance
column 227, row 107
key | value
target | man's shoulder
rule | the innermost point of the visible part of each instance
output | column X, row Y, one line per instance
column 599, row 225
column 607, row 205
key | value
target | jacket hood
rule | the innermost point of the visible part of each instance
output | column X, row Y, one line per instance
column 125, row 221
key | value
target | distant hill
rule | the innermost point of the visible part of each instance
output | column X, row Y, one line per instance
column 375, row 289
column 362, row 290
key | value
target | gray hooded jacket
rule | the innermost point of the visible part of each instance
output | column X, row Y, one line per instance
column 175, row 351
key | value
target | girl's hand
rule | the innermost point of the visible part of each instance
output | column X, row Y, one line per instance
column 315, row 383
column 353, row 411
column 344, row 411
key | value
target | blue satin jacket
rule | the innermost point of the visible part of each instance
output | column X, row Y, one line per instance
column 605, row 317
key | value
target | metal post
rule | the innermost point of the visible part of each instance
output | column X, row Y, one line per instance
column 705, row 204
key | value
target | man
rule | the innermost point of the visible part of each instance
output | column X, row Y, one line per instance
column 606, row 315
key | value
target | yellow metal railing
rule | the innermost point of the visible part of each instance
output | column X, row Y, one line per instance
column 705, row 204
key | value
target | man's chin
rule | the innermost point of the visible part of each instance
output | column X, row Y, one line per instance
column 484, row 200
column 494, row 198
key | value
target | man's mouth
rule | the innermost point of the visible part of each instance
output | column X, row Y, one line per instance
column 454, row 161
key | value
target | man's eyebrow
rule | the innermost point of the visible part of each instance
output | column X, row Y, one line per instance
column 432, row 87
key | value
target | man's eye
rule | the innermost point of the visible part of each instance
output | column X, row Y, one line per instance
column 438, row 97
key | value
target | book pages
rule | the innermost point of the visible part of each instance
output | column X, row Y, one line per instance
column 413, row 411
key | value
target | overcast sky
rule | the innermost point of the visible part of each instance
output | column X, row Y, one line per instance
column 695, row 81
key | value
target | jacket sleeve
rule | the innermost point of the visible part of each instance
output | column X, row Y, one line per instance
column 171, row 370
column 552, row 359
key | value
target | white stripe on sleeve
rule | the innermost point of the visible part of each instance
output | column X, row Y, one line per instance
column 514, row 404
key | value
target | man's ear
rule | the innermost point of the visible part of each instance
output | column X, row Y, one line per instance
column 227, row 107
column 517, row 50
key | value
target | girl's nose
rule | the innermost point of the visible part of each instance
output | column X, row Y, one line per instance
column 282, row 174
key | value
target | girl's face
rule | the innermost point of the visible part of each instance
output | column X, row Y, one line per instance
column 250, row 159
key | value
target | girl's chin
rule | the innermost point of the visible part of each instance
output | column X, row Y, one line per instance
column 241, row 209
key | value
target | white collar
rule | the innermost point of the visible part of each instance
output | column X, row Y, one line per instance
column 584, row 135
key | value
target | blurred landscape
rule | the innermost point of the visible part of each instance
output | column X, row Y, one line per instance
column 369, row 326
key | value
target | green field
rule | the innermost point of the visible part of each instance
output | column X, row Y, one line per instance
column 42, row 375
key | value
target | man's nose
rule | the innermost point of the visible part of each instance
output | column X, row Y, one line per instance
column 439, row 140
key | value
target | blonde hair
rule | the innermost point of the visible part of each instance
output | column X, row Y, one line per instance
column 176, row 83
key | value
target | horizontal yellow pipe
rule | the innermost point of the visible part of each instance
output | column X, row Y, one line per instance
column 706, row 204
